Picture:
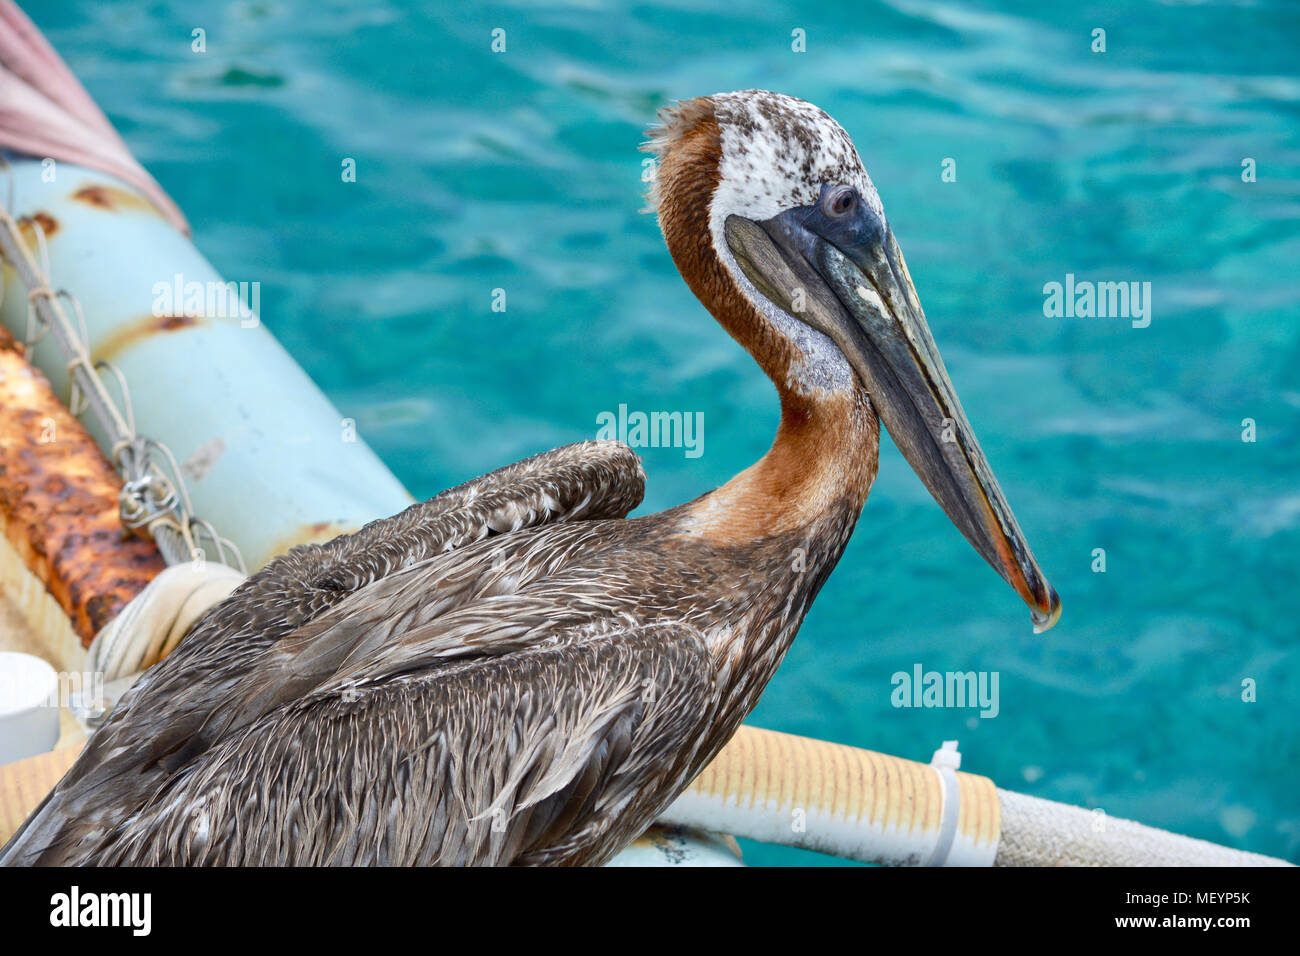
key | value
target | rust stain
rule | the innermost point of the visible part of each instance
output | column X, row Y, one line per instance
column 136, row 330
column 49, row 225
column 58, row 502
column 113, row 199
column 10, row 344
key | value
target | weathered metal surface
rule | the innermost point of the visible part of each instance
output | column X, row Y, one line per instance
column 113, row 199
column 267, row 459
column 49, row 227
column 131, row 332
column 58, row 501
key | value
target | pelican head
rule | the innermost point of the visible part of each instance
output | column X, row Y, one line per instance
column 776, row 226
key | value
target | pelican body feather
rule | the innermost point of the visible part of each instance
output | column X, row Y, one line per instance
column 515, row 672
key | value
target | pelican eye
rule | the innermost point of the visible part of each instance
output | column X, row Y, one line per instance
column 839, row 201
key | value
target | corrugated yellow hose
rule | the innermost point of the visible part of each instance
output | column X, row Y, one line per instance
column 841, row 800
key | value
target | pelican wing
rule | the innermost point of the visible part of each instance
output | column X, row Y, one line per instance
column 172, row 703
column 550, row 754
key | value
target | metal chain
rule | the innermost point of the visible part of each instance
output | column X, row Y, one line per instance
column 153, row 500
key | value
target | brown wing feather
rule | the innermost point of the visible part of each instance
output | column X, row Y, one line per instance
column 173, row 701
column 558, row 755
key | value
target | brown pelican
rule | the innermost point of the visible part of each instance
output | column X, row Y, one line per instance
column 514, row 672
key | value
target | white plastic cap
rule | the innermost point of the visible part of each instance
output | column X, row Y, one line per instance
column 29, row 706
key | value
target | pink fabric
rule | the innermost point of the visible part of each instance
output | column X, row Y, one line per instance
column 46, row 112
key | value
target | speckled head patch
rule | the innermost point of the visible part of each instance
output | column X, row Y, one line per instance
column 777, row 152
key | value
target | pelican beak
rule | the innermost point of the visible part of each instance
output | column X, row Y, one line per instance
column 845, row 277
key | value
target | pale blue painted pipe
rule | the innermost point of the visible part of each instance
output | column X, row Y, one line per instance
column 281, row 468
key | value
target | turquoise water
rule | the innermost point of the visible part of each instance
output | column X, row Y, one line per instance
column 520, row 171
